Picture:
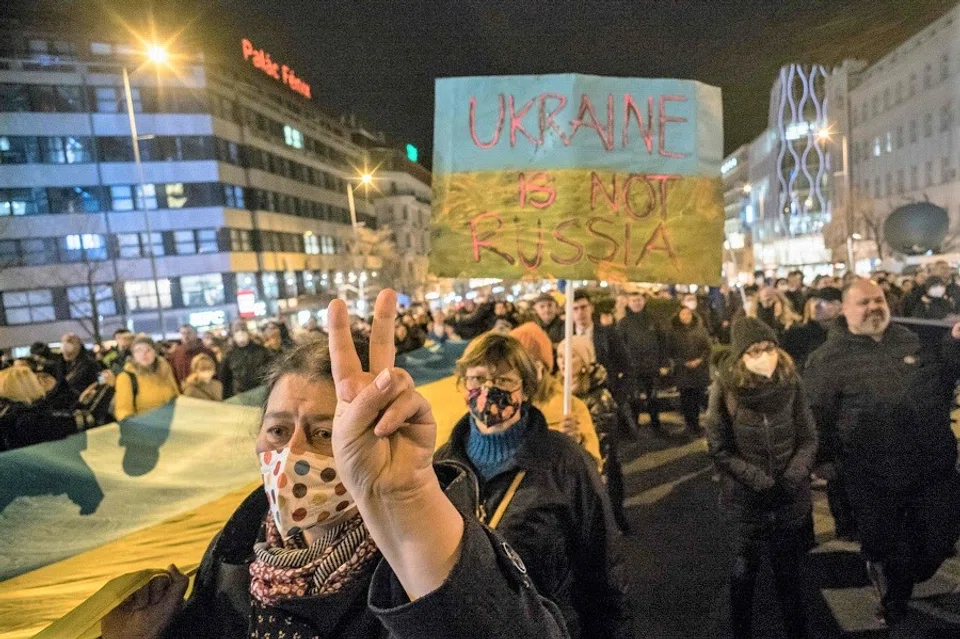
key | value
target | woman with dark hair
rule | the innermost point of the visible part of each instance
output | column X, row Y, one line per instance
column 763, row 441
column 539, row 489
column 355, row 533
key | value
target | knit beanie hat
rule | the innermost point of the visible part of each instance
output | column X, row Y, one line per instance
column 748, row 331
column 536, row 342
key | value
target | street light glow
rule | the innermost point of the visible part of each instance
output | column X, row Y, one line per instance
column 366, row 179
column 157, row 54
column 824, row 134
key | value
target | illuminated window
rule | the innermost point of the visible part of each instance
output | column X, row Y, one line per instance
column 889, row 142
column 876, row 147
column 82, row 306
column 88, row 246
column 25, row 307
column 311, row 244
column 309, row 282
column 271, row 289
column 175, row 197
column 100, row 48
column 292, row 137
column 146, row 196
column 202, row 290
column 142, row 294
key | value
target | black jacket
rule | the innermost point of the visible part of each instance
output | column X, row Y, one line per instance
column 687, row 343
column 802, row 339
column 763, row 441
column 554, row 330
column 488, row 594
column 81, row 372
column 561, row 525
column 479, row 321
column 244, row 368
column 883, row 408
column 47, row 419
column 646, row 344
column 612, row 355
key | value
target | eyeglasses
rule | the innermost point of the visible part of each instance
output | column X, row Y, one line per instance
column 759, row 349
column 505, row 382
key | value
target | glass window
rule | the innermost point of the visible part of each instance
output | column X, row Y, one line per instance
column 913, row 131
column 115, row 149
column 202, row 290
column 233, row 196
column 77, row 150
column 18, row 149
column 14, row 98
column 121, row 197
column 946, row 116
column 56, row 99
column 23, row 202
column 945, row 66
column 81, row 247
column 185, row 242
column 946, row 173
column 899, row 94
column 38, row 251
column 913, row 178
column 247, row 282
column 81, row 300
column 240, row 240
column 309, row 283
column 142, row 294
column 174, row 195
column 51, row 150
column 9, row 253
column 290, row 283
column 886, row 99
column 913, row 84
column 195, row 147
column 38, row 46
column 25, row 307
column 928, row 125
column 271, row 288
column 207, row 241
column 146, row 196
column 927, row 76
column 900, row 137
column 929, row 173
column 292, row 137
column 311, row 244
column 107, row 100
column 133, row 245
column 74, row 199
column 901, row 182
column 100, row 48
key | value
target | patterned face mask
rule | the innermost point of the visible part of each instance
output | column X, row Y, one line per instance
column 491, row 406
column 304, row 490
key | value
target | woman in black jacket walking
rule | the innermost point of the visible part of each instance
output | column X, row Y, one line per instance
column 763, row 440
column 690, row 353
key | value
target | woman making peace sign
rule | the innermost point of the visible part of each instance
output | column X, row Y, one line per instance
column 353, row 534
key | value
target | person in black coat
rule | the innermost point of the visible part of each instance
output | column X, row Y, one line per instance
column 690, row 354
column 647, row 351
column 934, row 304
column 882, row 398
column 50, row 417
column 763, row 441
column 547, row 316
column 246, row 364
column 335, row 545
column 80, row 369
column 539, row 489
column 474, row 319
column 610, row 351
column 801, row 339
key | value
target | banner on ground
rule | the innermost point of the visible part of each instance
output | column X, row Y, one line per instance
column 579, row 177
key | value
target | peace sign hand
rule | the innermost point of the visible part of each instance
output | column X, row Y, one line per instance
column 383, row 430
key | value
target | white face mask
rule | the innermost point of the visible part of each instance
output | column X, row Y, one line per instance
column 936, row 291
column 304, row 490
column 691, row 304
column 764, row 364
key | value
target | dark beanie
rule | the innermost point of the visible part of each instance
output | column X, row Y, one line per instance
column 748, row 331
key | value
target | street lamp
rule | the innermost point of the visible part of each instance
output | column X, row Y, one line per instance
column 366, row 179
column 824, row 135
column 156, row 54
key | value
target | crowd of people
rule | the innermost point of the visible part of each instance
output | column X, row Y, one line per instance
column 792, row 385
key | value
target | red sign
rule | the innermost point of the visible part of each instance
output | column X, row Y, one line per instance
column 247, row 303
column 261, row 60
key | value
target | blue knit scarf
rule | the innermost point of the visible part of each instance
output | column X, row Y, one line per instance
column 494, row 453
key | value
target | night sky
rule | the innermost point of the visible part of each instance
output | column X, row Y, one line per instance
column 379, row 59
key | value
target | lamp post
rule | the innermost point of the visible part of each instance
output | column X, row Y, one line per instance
column 366, row 179
column 824, row 135
column 155, row 54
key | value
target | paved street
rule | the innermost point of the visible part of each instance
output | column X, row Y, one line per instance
column 678, row 558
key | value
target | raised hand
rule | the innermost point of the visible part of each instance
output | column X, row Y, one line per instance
column 384, row 432
column 147, row 612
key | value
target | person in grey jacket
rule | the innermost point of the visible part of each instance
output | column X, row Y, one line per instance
column 763, row 440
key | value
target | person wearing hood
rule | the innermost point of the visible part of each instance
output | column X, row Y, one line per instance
column 934, row 303
column 689, row 352
column 147, row 381
column 882, row 397
column 246, row 364
column 821, row 311
column 763, row 441
column 589, row 384
column 647, row 350
column 200, row 384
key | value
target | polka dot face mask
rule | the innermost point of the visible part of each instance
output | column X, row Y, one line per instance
column 304, row 490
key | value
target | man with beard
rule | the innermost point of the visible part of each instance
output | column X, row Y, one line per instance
column 882, row 397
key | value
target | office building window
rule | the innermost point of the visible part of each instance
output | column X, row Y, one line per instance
column 142, row 294
column 876, row 147
column 26, row 307
column 913, row 131
column 233, row 196
column 202, row 290
column 18, row 149
column 946, row 116
column 899, row 94
column 927, row 76
column 83, row 300
column 247, row 282
column 886, row 99
column 875, row 104
column 900, row 137
column 290, row 284
column 240, row 240
column 914, row 179
column 311, row 244
column 946, row 172
column 56, row 99
column 292, row 137
column 901, row 185
column 83, row 247
column 174, row 195
column 74, row 199
column 271, row 287
column 14, row 98
column 23, row 202
column 944, row 66
column 107, row 100
column 134, row 245
column 207, row 241
column 227, row 151
column 146, row 196
column 889, row 142
column 9, row 253
column 121, row 198
column 309, row 282
column 66, row 150
column 888, row 185
column 328, row 245
column 186, row 242
column 913, row 84
column 115, row 149
column 927, row 125
column 38, row 251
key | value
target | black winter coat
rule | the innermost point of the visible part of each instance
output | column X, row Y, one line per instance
column 802, row 339
column 687, row 343
column 612, row 355
column 81, row 372
column 883, row 408
column 646, row 344
column 603, row 411
column 488, row 594
column 244, row 368
column 47, row 419
column 561, row 525
column 554, row 329
column 763, row 441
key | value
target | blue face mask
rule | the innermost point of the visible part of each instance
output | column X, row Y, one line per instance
column 492, row 406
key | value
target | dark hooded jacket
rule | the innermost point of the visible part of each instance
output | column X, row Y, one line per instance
column 763, row 440
column 646, row 344
column 687, row 343
column 883, row 408
column 560, row 523
column 488, row 593
column 802, row 339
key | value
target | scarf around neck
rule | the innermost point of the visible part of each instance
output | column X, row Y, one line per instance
column 494, row 453
column 285, row 570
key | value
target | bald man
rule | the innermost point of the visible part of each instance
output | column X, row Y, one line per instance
column 882, row 399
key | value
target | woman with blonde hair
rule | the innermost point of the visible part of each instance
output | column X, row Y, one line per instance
column 146, row 382
column 200, row 384
column 19, row 389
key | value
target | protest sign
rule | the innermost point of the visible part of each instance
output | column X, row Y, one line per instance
column 579, row 177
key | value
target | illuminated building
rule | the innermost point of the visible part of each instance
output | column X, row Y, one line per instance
column 244, row 182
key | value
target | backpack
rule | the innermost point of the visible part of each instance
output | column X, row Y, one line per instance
column 134, row 386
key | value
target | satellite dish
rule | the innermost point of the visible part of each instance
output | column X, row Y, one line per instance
column 918, row 228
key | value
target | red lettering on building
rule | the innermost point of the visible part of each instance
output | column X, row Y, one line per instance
column 260, row 59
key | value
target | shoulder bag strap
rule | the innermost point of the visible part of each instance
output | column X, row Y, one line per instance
column 507, row 498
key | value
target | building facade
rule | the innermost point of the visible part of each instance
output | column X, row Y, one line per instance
column 899, row 121
column 241, row 208
column 738, row 219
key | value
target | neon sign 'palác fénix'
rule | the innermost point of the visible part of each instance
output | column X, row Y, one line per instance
column 261, row 60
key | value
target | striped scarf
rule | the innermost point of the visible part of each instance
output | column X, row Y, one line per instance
column 281, row 571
